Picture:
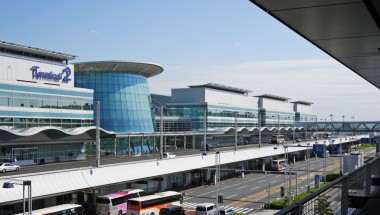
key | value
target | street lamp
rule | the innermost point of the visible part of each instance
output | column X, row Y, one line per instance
column 236, row 140
column 353, row 124
column 259, row 118
column 204, row 130
column 294, row 127
column 161, row 131
column 343, row 117
column 8, row 185
column 97, row 134
column 308, row 167
column 331, row 115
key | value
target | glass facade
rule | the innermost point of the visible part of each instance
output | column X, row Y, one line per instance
column 36, row 107
column 125, row 103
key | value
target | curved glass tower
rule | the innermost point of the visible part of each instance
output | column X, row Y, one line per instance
column 123, row 93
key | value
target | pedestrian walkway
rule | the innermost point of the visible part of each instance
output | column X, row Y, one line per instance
column 191, row 206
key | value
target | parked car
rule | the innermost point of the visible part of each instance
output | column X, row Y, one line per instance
column 226, row 211
column 168, row 155
column 7, row 167
column 172, row 210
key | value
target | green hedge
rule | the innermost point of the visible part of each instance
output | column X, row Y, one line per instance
column 364, row 145
column 282, row 203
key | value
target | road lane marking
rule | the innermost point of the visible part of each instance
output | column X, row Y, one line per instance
column 231, row 196
column 262, row 181
column 254, row 188
column 241, row 187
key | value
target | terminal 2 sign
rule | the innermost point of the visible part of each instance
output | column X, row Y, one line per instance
column 64, row 76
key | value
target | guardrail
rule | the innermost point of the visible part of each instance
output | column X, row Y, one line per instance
column 346, row 195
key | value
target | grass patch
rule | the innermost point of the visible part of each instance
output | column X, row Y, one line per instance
column 364, row 146
column 284, row 202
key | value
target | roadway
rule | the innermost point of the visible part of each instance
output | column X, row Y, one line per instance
column 111, row 159
column 249, row 193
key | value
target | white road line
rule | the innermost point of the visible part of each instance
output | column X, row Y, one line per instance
column 274, row 181
column 278, row 176
column 262, row 181
column 254, row 188
column 241, row 187
column 231, row 196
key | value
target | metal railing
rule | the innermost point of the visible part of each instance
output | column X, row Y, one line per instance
column 346, row 195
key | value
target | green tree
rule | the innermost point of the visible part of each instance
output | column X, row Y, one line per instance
column 323, row 206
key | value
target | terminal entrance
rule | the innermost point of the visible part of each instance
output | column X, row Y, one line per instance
column 25, row 154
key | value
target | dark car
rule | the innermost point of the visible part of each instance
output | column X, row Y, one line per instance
column 226, row 211
column 172, row 210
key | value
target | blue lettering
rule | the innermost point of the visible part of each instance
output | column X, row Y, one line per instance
column 37, row 74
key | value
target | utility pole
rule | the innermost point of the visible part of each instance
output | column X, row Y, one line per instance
column 236, row 139
column 97, row 134
column 259, row 117
column 219, row 198
column 161, row 131
column 204, row 130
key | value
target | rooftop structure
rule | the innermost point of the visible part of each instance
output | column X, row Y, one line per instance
column 270, row 96
column 302, row 102
column 223, row 88
column 31, row 52
column 145, row 69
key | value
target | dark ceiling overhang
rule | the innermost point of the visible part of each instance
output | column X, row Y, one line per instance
column 347, row 30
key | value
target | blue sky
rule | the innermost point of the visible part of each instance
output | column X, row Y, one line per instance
column 221, row 41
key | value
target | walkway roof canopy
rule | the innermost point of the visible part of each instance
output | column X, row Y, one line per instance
column 347, row 30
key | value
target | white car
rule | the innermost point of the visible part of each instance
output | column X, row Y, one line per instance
column 7, row 167
column 168, row 155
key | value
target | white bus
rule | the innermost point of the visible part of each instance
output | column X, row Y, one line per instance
column 116, row 203
column 278, row 165
column 151, row 205
column 64, row 209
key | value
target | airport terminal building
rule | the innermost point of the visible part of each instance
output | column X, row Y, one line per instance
column 48, row 112
column 43, row 117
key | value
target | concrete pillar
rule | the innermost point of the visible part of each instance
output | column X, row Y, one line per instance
column 129, row 145
column 175, row 142
column 193, row 141
column 154, row 144
column 344, row 197
column 141, row 145
column 164, row 144
column 184, row 142
column 162, row 185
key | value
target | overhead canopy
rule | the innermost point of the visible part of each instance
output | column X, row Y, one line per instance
column 347, row 30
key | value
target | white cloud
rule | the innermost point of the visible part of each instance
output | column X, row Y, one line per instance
column 94, row 32
column 329, row 85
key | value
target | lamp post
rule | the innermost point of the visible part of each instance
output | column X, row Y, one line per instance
column 161, row 131
column 294, row 127
column 278, row 124
column 27, row 183
column 343, row 117
column 204, row 130
column 353, row 124
column 331, row 115
column 236, row 140
column 306, row 130
column 97, row 134
column 308, row 167
column 259, row 118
